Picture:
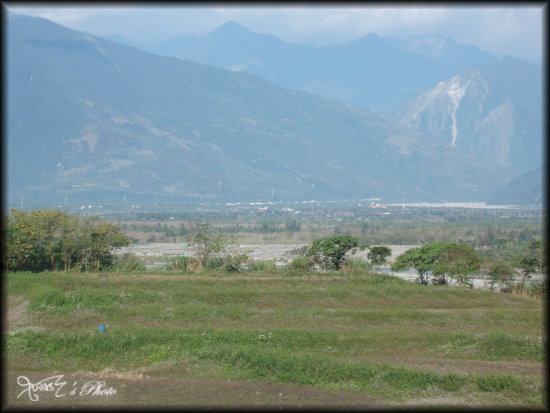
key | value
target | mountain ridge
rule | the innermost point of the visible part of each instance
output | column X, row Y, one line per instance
column 338, row 71
column 480, row 110
column 92, row 119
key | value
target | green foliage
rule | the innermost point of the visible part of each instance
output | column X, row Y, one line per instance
column 357, row 265
column 41, row 240
column 178, row 264
column 268, row 265
column 234, row 262
column 206, row 246
column 324, row 331
column 457, row 261
column 537, row 289
column 498, row 383
column 330, row 253
column 439, row 258
column 497, row 345
column 43, row 296
column 213, row 263
column 300, row 265
column 277, row 356
column 501, row 275
column 527, row 265
column 128, row 262
column 378, row 255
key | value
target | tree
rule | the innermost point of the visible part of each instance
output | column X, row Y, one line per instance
column 500, row 274
column 41, row 240
column 439, row 259
column 537, row 250
column 458, row 261
column 378, row 255
column 330, row 253
column 532, row 261
column 101, row 238
column 31, row 239
column 206, row 245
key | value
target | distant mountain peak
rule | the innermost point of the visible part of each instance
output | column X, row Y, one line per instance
column 370, row 41
column 233, row 27
column 371, row 37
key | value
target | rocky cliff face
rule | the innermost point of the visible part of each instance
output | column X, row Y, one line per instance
column 493, row 111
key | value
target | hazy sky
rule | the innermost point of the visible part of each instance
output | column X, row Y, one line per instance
column 513, row 29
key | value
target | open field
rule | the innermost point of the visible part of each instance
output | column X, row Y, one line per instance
column 271, row 340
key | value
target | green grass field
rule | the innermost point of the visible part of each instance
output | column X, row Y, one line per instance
column 398, row 341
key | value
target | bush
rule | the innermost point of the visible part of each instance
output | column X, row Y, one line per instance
column 213, row 263
column 178, row 263
column 300, row 264
column 537, row 289
column 261, row 266
column 356, row 264
column 233, row 263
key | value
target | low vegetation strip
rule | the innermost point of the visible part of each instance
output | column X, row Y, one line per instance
column 252, row 356
column 331, row 331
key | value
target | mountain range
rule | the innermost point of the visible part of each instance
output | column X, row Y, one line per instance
column 96, row 121
column 370, row 72
column 453, row 92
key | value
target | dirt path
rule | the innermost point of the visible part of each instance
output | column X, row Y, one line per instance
column 14, row 311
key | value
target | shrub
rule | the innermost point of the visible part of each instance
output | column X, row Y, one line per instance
column 179, row 263
column 537, row 289
column 213, row 263
column 300, row 264
column 262, row 266
column 234, row 262
column 356, row 264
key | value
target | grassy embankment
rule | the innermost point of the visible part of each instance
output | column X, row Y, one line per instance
column 355, row 333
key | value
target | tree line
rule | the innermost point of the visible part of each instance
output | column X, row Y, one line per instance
column 42, row 240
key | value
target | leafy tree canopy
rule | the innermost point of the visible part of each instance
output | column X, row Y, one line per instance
column 43, row 239
column 330, row 253
column 378, row 255
column 439, row 258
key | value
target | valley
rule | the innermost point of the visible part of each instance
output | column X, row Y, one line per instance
column 227, row 219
